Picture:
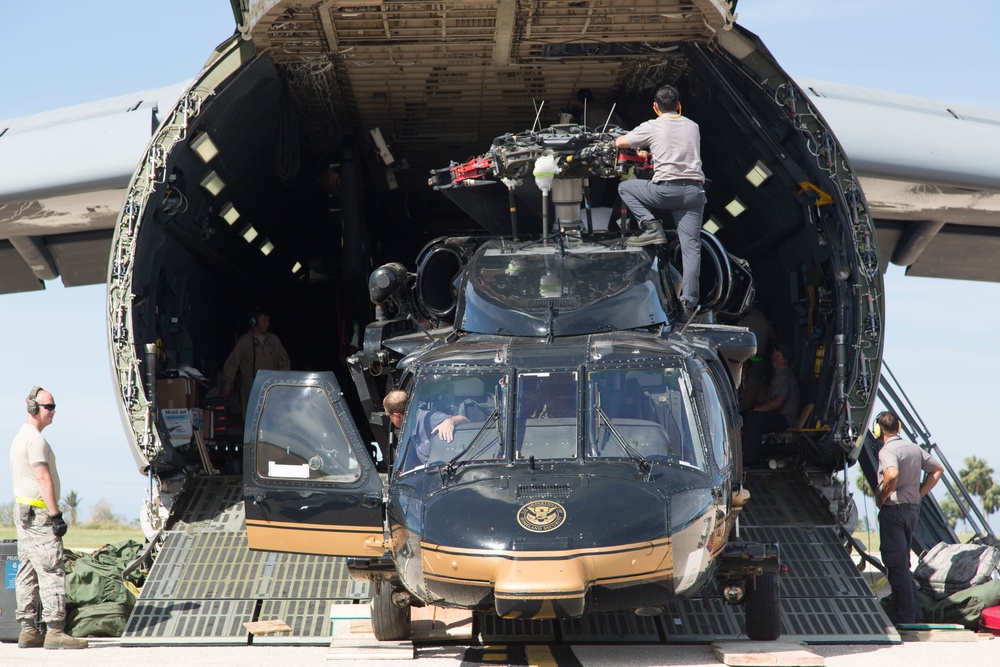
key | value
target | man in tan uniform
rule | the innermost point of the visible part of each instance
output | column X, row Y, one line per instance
column 256, row 350
column 41, row 576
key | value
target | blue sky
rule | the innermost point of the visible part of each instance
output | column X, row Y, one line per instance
column 940, row 335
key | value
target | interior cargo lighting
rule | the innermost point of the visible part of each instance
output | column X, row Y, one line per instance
column 229, row 214
column 758, row 174
column 249, row 234
column 735, row 207
column 712, row 226
column 267, row 247
column 212, row 183
column 202, row 145
column 296, row 267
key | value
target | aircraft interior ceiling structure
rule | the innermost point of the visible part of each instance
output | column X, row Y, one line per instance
column 266, row 185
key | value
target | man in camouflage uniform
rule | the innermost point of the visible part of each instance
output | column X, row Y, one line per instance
column 41, row 576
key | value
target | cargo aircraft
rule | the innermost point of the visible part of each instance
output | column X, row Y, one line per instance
column 297, row 161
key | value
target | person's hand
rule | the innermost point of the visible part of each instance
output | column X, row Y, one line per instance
column 59, row 526
column 445, row 430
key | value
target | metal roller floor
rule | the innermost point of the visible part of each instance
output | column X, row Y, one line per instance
column 205, row 583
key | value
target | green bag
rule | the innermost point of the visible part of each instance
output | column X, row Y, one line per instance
column 104, row 619
column 98, row 602
column 964, row 607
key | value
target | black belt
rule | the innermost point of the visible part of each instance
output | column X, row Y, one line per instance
column 679, row 181
column 901, row 506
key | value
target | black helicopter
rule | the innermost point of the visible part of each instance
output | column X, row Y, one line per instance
column 594, row 462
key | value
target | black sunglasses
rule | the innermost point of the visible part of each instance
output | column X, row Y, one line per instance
column 47, row 406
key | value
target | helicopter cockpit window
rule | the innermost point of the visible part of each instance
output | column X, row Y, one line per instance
column 452, row 416
column 650, row 409
column 547, row 415
column 300, row 438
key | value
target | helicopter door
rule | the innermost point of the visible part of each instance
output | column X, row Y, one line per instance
column 310, row 485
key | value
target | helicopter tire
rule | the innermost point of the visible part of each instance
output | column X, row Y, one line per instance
column 389, row 622
column 763, row 608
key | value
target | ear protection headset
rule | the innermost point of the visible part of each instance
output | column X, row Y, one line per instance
column 877, row 427
column 31, row 400
column 255, row 316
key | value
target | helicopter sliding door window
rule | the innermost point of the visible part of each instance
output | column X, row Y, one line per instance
column 547, row 415
column 715, row 418
column 300, row 438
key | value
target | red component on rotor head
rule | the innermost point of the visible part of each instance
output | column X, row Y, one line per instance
column 475, row 168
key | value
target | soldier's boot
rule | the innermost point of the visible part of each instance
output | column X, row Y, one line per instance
column 55, row 638
column 30, row 637
column 652, row 233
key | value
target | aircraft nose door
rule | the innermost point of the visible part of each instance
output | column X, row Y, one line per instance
column 310, row 485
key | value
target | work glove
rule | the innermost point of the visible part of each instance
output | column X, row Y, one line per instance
column 59, row 526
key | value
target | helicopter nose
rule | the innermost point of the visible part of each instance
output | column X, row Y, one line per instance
column 541, row 589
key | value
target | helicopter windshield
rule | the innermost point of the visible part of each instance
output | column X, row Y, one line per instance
column 575, row 280
column 644, row 414
column 649, row 410
column 541, row 289
column 547, row 415
column 445, row 413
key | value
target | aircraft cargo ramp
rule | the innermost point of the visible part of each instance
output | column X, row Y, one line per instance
column 205, row 583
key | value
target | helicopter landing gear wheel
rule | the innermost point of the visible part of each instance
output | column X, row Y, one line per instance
column 389, row 622
column 763, row 608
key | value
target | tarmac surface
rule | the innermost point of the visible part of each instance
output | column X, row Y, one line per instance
column 108, row 652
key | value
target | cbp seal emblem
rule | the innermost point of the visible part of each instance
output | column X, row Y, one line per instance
column 541, row 516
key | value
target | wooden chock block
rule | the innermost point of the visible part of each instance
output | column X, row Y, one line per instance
column 351, row 621
column 267, row 627
column 779, row 653
column 437, row 624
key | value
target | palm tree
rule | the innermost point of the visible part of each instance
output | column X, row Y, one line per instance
column 863, row 486
column 952, row 512
column 991, row 500
column 72, row 502
column 977, row 475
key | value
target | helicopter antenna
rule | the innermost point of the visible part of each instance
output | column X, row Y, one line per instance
column 420, row 325
column 690, row 320
column 608, row 121
column 538, row 113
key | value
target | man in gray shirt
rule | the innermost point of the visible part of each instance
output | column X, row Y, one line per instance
column 900, row 467
column 677, row 186
column 780, row 411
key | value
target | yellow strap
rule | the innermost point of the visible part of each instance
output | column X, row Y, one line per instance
column 34, row 502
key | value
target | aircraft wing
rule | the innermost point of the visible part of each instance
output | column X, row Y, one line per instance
column 63, row 176
column 928, row 170
column 930, row 173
